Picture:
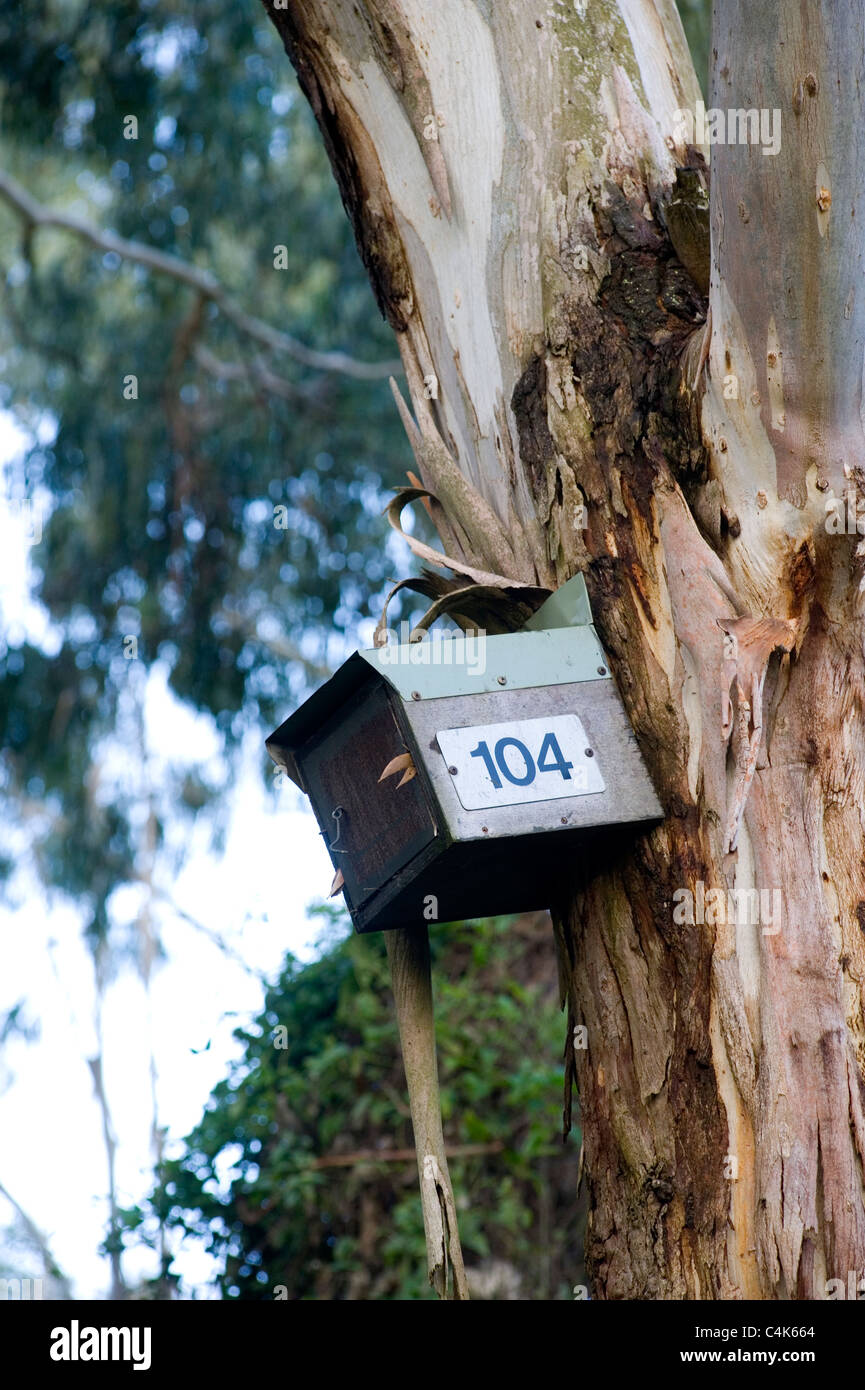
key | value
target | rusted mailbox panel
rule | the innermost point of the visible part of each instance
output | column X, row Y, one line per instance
column 519, row 749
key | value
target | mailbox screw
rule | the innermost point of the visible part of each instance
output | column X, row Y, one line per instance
column 485, row 829
column 452, row 771
column 602, row 670
column 502, row 680
column 590, row 753
column 415, row 694
column 564, row 820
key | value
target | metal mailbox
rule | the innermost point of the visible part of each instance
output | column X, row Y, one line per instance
column 460, row 777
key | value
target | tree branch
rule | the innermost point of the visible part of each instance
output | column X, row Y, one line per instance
column 52, row 1269
column 255, row 372
column 36, row 214
column 212, row 936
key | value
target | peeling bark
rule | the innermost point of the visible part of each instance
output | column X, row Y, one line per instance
column 546, row 264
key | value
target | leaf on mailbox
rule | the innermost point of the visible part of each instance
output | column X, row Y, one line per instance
column 338, row 882
column 403, row 763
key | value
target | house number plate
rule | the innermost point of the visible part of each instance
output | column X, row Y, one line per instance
column 519, row 761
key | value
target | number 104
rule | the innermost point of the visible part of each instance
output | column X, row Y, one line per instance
column 550, row 759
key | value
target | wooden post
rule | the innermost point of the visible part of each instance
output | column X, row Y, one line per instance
column 409, row 957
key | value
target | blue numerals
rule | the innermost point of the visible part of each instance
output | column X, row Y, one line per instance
column 550, row 759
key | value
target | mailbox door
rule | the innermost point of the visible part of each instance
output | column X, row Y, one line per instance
column 382, row 826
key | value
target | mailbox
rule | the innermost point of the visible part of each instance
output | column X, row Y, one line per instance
column 460, row 776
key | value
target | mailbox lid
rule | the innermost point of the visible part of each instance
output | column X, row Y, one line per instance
column 464, row 664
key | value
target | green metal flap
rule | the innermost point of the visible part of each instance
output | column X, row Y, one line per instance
column 568, row 607
column 442, row 665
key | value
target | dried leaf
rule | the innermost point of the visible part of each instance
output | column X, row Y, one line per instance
column 450, row 533
column 409, row 773
column 402, row 763
column 474, row 607
column 338, row 882
column 432, row 586
column 416, row 482
column 492, row 610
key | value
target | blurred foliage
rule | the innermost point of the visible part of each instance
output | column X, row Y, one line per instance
column 697, row 23
column 159, row 512
column 251, row 1183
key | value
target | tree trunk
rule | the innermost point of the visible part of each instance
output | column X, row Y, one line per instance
column 535, row 229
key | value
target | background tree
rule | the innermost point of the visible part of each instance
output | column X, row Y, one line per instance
column 533, row 222
column 301, row 1176
column 160, row 523
column 190, row 349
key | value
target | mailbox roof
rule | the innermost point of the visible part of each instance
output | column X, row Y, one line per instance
column 440, row 666
column 524, row 660
column 559, row 646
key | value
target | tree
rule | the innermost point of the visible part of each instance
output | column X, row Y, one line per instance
column 527, row 185
column 218, row 459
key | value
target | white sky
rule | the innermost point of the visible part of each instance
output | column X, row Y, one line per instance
column 255, row 896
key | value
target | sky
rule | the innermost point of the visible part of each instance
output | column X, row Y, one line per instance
column 254, row 896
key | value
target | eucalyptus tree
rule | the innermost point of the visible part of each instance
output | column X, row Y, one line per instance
column 632, row 330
